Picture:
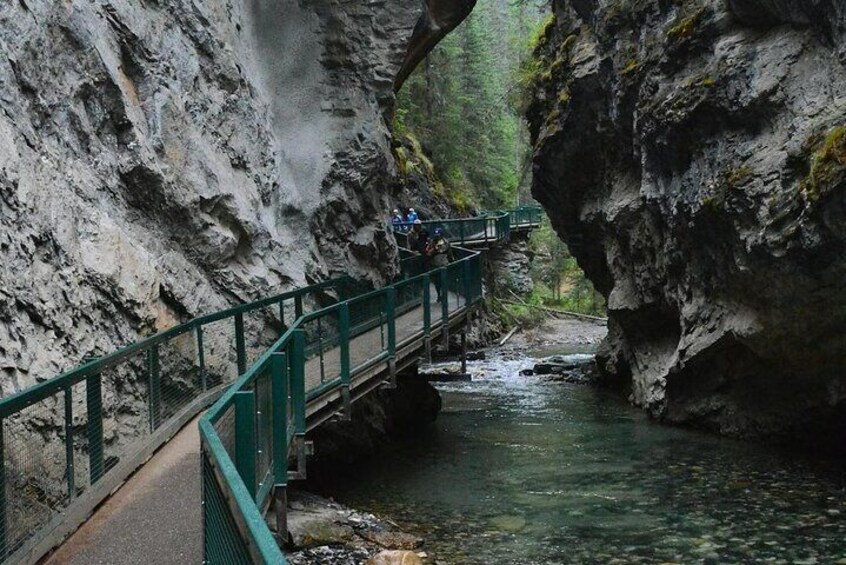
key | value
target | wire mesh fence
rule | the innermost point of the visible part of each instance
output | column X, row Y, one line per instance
column 65, row 435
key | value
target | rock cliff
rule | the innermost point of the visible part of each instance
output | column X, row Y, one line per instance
column 164, row 159
column 693, row 155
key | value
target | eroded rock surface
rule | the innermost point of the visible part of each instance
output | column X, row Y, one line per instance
column 693, row 156
column 164, row 159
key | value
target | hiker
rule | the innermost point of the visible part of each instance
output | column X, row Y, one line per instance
column 412, row 216
column 418, row 238
column 397, row 221
column 440, row 253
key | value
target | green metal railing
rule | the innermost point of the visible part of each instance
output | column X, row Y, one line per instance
column 525, row 216
column 486, row 229
column 67, row 442
column 250, row 433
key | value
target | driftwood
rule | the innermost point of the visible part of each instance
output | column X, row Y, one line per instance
column 504, row 340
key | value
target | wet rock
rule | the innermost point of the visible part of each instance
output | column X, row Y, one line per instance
column 573, row 369
column 323, row 531
column 395, row 558
column 693, row 157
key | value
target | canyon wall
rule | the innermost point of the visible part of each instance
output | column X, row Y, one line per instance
column 165, row 159
column 693, row 156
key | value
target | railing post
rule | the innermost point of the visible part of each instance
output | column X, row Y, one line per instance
column 245, row 438
column 154, row 388
column 69, row 463
column 390, row 312
column 201, row 358
column 240, row 343
column 298, row 402
column 279, row 391
column 444, row 306
column 461, row 231
column 94, row 409
column 344, row 331
column 427, row 317
column 298, row 306
column 465, row 276
column 282, row 316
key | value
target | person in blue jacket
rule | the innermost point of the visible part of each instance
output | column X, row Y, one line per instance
column 397, row 221
column 412, row 216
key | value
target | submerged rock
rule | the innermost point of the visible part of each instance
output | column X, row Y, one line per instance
column 395, row 558
column 693, row 157
column 576, row 369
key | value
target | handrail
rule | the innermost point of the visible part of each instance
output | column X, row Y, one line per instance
column 171, row 374
column 289, row 374
column 155, row 385
column 485, row 229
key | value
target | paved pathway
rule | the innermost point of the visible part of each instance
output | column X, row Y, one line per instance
column 155, row 517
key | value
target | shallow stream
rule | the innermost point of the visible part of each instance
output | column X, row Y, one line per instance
column 522, row 471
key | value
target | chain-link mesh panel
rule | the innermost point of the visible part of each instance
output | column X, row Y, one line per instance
column 123, row 410
column 323, row 351
column 409, row 301
column 264, row 428
column 262, row 328
column 220, row 358
column 222, row 539
column 178, row 374
column 225, row 429
column 368, row 329
column 35, row 468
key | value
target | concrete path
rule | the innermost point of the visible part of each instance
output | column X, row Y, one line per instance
column 154, row 518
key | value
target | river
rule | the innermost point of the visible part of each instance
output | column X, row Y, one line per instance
column 518, row 470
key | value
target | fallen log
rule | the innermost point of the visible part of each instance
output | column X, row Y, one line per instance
column 504, row 340
column 557, row 312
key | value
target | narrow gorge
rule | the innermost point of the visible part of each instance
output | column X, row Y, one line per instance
column 693, row 156
column 326, row 281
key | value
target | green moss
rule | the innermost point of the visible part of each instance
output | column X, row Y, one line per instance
column 541, row 35
column 827, row 163
column 402, row 161
column 686, row 27
column 737, row 176
column 630, row 67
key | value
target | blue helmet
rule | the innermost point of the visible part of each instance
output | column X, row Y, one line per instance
column 438, row 232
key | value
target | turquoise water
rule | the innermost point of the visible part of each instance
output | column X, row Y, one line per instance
column 519, row 471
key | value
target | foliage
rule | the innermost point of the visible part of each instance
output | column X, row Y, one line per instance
column 459, row 104
column 827, row 161
column 559, row 282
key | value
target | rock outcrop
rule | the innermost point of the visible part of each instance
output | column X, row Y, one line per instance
column 693, row 156
column 160, row 160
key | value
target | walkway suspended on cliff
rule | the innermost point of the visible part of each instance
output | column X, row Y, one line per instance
column 71, row 441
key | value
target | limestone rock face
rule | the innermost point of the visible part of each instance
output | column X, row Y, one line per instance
column 160, row 160
column 693, row 156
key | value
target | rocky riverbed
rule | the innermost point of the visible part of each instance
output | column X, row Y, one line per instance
column 518, row 469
